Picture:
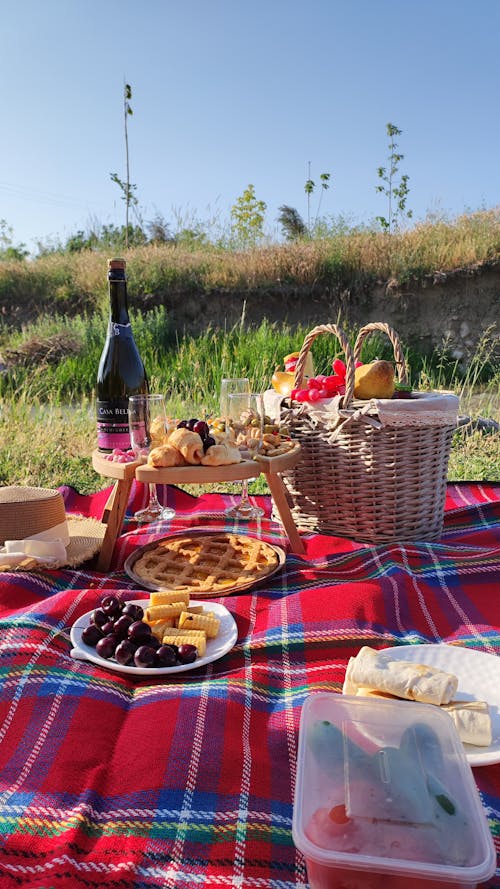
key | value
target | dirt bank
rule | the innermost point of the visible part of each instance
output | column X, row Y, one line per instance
column 457, row 307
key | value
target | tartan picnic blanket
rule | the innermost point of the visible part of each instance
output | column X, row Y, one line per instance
column 118, row 782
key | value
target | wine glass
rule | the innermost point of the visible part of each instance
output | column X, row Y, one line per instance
column 245, row 416
column 143, row 412
column 232, row 386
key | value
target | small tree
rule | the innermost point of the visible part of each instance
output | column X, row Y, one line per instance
column 9, row 250
column 309, row 189
column 396, row 194
column 247, row 218
column 127, row 189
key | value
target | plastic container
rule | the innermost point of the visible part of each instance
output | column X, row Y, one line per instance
column 385, row 798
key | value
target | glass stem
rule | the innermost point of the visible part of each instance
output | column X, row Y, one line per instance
column 153, row 497
column 244, row 491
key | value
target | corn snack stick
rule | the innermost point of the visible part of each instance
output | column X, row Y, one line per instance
column 159, row 612
column 166, row 597
column 200, row 622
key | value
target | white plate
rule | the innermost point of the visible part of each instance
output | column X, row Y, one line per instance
column 478, row 676
column 216, row 648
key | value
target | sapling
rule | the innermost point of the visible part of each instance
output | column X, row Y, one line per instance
column 127, row 189
column 394, row 192
column 309, row 188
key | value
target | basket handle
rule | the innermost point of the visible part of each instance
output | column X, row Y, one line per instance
column 348, row 352
column 396, row 345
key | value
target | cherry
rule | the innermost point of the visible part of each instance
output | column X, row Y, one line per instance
column 201, row 428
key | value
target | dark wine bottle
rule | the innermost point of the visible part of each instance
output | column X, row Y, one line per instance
column 121, row 371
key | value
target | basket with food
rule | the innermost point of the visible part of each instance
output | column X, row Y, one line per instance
column 374, row 453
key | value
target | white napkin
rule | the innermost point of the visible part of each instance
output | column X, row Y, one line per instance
column 45, row 552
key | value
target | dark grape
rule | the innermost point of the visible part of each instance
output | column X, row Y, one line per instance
column 201, row 428
column 187, row 654
column 145, row 656
column 182, row 424
column 107, row 645
column 91, row 635
column 108, row 627
column 191, row 423
column 139, row 632
column 133, row 610
column 124, row 652
column 120, row 626
column 208, row 442
column 153, row 642
column 167, row 656
column 111, row 606
column 99, row 617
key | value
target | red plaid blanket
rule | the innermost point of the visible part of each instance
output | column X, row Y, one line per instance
column 122, row 783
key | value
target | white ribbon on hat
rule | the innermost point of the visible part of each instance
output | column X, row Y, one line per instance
column 45, row 547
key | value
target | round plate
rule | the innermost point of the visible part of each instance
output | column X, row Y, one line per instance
column 478, row 676
column 216, row 648
column 149, row 585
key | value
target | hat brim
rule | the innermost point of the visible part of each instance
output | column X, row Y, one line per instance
column 86, row 536
column 85, row 540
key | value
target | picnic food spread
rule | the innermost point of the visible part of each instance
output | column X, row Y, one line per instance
column 149, row 767
column 167, row 633
column 214, row 443
column 202, row 563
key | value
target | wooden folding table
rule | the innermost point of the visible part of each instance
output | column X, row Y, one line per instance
column 125, row 473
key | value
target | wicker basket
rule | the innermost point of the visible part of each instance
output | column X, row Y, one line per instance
column 371, row 479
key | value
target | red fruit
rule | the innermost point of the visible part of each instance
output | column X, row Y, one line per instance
column 320, row 379
column 201, row 427
column 358, row 364
column 314, row 395
column 338, row 367
column 333, row 382
column 338, row 814
column 314, row 383
column 302, row 395
column 293, row 394
column 323, row 393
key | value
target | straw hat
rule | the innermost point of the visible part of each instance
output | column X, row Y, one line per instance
column 40, row 513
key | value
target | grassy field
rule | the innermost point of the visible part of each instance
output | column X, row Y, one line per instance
column 51, row 346
column 47, row 422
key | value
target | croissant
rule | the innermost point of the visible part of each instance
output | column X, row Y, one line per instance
column 158, row 432
column 221, row 455
column 188, row 443
column 164, row 456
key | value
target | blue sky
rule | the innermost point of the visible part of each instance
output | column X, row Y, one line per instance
column 232, row 92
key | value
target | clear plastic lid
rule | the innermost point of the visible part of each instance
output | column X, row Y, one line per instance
column 384, row 785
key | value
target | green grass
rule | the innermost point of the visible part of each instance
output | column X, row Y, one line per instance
column 47, row 424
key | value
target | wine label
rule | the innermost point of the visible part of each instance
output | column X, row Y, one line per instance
column 112, row 425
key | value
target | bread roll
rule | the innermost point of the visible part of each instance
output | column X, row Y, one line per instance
column 158, row 432
column 164, row 456
column 189, row 444
column 221, row 455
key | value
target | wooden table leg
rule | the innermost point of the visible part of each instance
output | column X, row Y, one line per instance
column 114, row 513
column 278, row 493
column 109, row 503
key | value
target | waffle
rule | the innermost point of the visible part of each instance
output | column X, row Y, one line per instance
column 206, row 563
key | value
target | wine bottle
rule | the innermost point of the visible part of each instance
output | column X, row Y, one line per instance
column 121, row 371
